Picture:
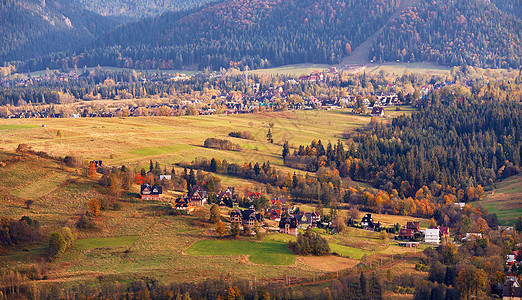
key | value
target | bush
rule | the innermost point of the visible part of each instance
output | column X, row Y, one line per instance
column 86, row 221
column 57, row 245
column 247, row 135
column 221, row 144
column 310, row 243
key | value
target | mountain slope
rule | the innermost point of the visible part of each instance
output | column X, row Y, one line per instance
column 452, row 32
column 35, row 27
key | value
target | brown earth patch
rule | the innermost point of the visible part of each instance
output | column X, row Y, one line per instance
column 329, row 263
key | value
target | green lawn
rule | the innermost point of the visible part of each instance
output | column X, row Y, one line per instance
column 268, row 252
column 346, row 251
column 108, row 242
column 16, row 126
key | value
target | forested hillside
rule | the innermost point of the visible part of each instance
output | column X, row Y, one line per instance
column 450, row 32
column 137, row 8
column 510, row 6
column 259, row 33
column 35, row 27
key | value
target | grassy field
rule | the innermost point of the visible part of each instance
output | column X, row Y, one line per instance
column 268, row 252
column 297, row 69
column 140, row 239
column 505, row 200
column 133, row 141
column 108, row 242
column 41, row 187
column 401, row 68
column 15, row 126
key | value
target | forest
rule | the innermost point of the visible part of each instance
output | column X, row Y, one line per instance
column 453, row 33
column 257, row 34
column 461, row 145
column 30, row 29
column 137, row 9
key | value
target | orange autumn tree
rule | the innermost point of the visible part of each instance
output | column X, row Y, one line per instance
column 92, row 169
column 94, row 206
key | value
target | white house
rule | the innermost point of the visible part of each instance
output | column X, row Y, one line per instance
column 431, row 236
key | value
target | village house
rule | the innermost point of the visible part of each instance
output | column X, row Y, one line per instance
column 183, row 204
column 413, row 226
column 308, row 219
column 166, row 177
column 199, row 195
column 149, row 192
column 377, row 111
column 409, row 232
column 368, row 223
column 511, row 258
column 227, row 196
column 247, row 217
column 289, row 225
column 511, row 289
column 406, row 234
column 432, row 236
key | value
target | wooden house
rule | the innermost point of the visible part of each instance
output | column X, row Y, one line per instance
column 247, row 217
column 377, row 111
column 289, row 225
column 199, row 195
column 149, row 192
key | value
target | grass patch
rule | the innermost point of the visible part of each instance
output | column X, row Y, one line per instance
column 108, row 242
column 17, row 126
column 160, row 150
column 40, row 187
column 268, row 252
column 346, row 251
column 505, row 200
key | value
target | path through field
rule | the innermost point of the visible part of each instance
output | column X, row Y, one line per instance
column 360, row 55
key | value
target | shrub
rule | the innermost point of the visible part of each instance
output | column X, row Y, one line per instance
column 247, row 135
column 86, row 221
column 310, row 243
column 57, row 245
column 221, row 144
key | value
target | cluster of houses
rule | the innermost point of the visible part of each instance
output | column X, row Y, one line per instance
column 317, row 76
column 410, row 236
column 512, row 288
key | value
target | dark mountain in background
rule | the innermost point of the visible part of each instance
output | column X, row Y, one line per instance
column 138, row 8
column 268, row 33
column 30, row 28
column 258, row 33
column 454, row 32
